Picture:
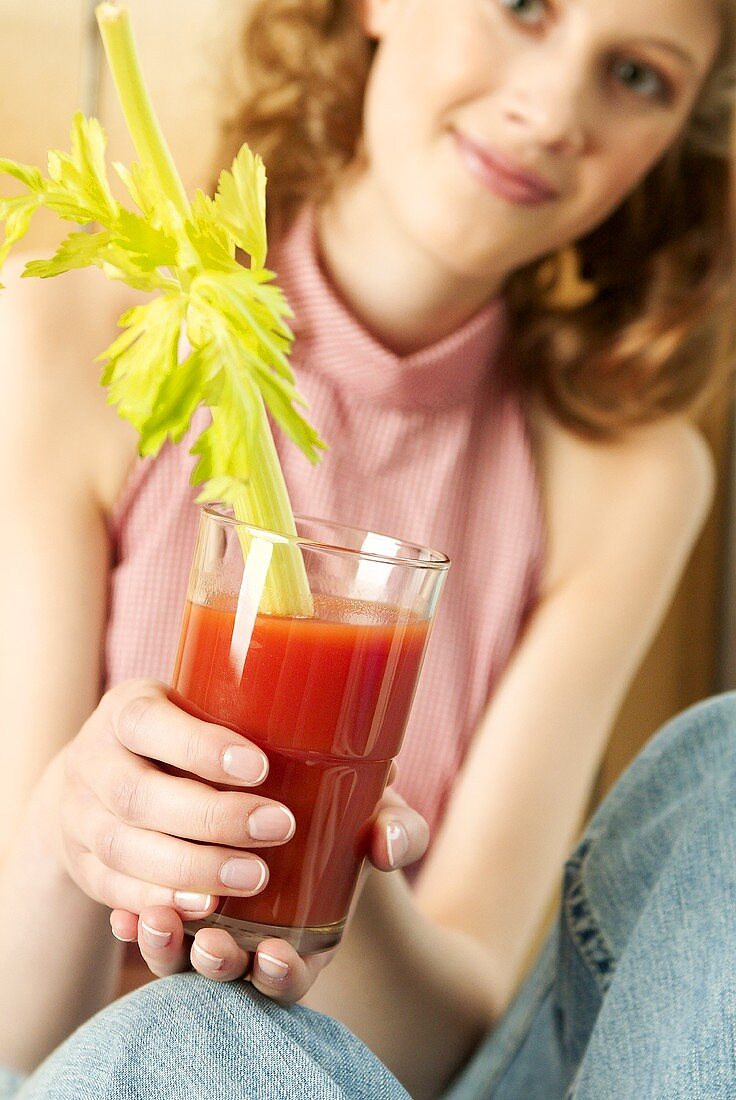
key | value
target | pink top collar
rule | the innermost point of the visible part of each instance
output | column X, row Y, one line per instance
column 339, row 347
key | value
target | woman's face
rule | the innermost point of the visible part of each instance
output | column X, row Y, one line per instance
column 497, row 131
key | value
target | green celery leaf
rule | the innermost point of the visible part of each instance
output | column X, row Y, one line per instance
column 238, row 295
column 241, row 204
column 28, row 175
column 150, row 247
column 140, row 359
column 211, row 240
column 178, row 398
column 17, row 214
column 81, row 174
column 280, row 398
column 76, row 251
column 224, row 488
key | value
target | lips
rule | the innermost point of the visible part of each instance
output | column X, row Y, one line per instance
column 502, row 176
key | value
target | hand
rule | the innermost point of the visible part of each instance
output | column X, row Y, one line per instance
column 127, row 824
column 399, row 838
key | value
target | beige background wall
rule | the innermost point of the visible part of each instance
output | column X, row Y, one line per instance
column 46, row 72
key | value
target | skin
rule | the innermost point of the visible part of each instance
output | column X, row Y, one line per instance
column 415, row 259
column 100, row 822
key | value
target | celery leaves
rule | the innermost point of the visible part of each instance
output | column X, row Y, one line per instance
column 215, row 334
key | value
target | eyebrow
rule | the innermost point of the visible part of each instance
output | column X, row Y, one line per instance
column 670, row 47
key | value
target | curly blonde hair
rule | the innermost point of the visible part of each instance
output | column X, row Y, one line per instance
column 632, row 323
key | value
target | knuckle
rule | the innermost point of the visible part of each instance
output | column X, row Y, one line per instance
column 134, row 720
column 132, row 704
column 129, row 798
column 192, row 751
column 186, row 868
column 107, row 844
column 216, row 819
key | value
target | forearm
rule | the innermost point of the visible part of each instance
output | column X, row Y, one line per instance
column 60, row 961
column 419, row 995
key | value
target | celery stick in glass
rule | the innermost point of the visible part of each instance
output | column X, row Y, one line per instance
column 234, row 317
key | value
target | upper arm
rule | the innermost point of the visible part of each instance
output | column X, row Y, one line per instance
column 622, row 521
column 61, row 456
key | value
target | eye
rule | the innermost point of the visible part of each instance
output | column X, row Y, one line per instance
column 531, row 12
column 642, row 79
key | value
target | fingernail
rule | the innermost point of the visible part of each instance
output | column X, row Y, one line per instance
column 124, row 939
column 241, row 762
column 211, row 960
column 191, row 903
column 271, row 823
column 244, row 874
column 271, row 967
column 154, row 937
column 397, row 843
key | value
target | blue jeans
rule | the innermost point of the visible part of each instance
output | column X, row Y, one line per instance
column 633, row 996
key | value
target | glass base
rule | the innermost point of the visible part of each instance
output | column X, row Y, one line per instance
column 248, row 934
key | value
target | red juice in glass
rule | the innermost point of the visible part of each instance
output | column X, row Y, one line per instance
column 327, row 698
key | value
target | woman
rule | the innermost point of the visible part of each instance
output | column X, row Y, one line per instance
column 495, row 135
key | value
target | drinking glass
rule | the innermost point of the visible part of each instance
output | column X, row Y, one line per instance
column 326, row 695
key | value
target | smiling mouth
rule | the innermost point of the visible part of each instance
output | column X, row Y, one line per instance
column 496, row 173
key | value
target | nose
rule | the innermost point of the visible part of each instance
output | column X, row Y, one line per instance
column 549, row 109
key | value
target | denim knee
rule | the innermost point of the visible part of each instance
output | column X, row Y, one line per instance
column 669, row 791
column 186, row 1038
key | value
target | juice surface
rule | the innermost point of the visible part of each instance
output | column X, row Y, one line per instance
column 327, row 699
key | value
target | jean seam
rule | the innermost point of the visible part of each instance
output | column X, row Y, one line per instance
column 584, row 924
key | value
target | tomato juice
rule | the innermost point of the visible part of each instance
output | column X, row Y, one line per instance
column 327, row 698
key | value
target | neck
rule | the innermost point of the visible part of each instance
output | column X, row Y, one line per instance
column 400, row 292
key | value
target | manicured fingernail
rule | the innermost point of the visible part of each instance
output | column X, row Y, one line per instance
column 124, row 939
column 273, row 968
column 191, row 903
column 154, row 937
column 244, row 874
column 247, row 764
column 397, row 843
column 213, row 961
column 271, row 823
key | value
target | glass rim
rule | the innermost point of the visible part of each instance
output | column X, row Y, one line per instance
column 438, row 560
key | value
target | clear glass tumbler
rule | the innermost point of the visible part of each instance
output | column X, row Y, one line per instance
column 326, row 695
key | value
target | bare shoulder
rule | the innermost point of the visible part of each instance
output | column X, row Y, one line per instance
column 649, row 491
column 54, row 410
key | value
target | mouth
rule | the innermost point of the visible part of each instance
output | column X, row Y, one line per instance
column 502, row 176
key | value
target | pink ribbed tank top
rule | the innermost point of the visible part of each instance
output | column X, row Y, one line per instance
column 430, row 447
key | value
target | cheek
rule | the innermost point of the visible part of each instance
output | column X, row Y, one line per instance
column 431, row 62
column 615, row 174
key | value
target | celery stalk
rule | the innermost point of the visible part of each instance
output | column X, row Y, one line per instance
column 265, row 503
column 143, row 126
column 264, row 500
column 186, row 254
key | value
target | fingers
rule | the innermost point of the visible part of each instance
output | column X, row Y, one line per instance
column 400, row 835
column 277, row 970
column 161, row 941
column 215, row 954
column 139, row 794
column 282, row 974
column 166, row 949
column 166, row 860
column 119, row 891
column 146, row 721
column 124, row 926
